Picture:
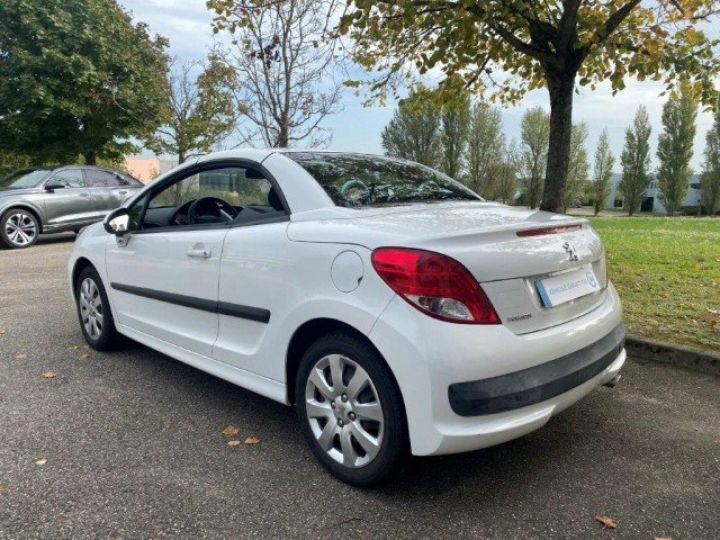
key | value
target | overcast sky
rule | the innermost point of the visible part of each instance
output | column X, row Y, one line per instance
column 186, row 23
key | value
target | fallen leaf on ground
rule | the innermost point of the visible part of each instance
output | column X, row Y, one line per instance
column 661, row 538
column 74, row 347
column 234, row 443
column 252, row 440
column 20, row 356
column 2, row 490
column 41, row 462
column 230, row 430
column 49, row 375
column 608, row 522
column 84, row 356
column 2, row 331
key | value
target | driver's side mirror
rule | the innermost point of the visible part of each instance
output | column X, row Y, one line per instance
column 117, row 221
column 52, row 185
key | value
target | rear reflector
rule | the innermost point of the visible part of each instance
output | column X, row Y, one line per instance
column 549, row 230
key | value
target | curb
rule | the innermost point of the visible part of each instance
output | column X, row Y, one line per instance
column 677, row 355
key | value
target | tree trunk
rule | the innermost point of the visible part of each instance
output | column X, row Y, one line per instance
column 560, row 86
column 90, row 158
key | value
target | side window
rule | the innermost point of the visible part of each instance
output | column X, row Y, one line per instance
column 247, row 196
column 98, row 178
column 135, row 213
column 70, row 178
column 238, row 186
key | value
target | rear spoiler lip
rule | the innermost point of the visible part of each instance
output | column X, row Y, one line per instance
column 552, row 229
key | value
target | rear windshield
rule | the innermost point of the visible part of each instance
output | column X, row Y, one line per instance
column 26, row 178
column 358, row 180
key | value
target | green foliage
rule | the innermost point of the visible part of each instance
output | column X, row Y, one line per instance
column 10, row 162
column 675, row 148
column 485, row 150
column 635, row 161
column 76, row 77
column 667, row 273
column 454, row 133
column 578, row 168
column 536, row 44
column 505, row 179
column 602, row 173
column 198, row 113
column 710, row 182
column 533, row 153
column 414, row 131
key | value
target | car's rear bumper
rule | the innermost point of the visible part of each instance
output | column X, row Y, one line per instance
column 538, row 383
column 467, row 387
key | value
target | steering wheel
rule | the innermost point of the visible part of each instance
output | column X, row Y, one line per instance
column 212, row 206
column 431, row 185
column 180, row 215
column 354, row 190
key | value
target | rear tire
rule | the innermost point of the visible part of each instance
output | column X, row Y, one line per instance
column 19, row 229
column 355, row 426
column 93, row 308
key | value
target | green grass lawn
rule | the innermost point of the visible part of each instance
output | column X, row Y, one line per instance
column 667, row 271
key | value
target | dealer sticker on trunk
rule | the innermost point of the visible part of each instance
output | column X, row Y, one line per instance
column 568, row 286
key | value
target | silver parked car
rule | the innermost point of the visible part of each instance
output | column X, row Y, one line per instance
column 48, row 200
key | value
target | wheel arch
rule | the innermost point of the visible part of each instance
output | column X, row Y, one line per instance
column 80, row 264
column 309, row 332
column 24, row 206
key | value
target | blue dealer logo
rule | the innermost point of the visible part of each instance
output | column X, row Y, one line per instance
column 591, row 279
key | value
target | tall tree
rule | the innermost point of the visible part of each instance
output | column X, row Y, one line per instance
column 200, row 110
column 506, row 174
column 602, row 173
column 710, row 182
column 76, row 77
column 635, row 160
column 554, row 44
column 9, row 162
column 454, row 132
column 484, row 148
column 675, row 147
column 533, row 153
column 414, row 131
column 578, row 166
column 285, row 67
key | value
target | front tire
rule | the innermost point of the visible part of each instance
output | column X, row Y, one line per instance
column 350, row 409
column 96, row 318
column 19, row 229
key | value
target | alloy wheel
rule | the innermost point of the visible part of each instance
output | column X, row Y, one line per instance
column 91, row 308
column 344, row 411
column 20, row 229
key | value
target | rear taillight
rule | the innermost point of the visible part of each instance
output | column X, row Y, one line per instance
column 435, row 284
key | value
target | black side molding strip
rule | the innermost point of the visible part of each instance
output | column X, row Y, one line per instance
column 222, row 308
column 538, row 383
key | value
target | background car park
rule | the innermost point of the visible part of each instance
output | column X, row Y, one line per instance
column 49, row 200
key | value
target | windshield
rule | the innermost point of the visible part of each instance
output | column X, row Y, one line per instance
column 357, row 180
column 27, row 178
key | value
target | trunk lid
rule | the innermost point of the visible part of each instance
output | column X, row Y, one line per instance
column 484, row 238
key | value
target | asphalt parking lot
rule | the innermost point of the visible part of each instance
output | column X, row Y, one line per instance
column 129, row 444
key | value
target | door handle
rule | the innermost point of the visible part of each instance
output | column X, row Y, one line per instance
column 123, row 192
column 199, row 254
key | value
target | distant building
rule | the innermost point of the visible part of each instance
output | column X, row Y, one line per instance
column 652, row 202
column 147, row 169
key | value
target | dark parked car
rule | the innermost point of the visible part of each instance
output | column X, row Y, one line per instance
column 55, row 199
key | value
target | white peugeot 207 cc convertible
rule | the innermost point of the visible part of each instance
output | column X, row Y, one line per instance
column 392, row 306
